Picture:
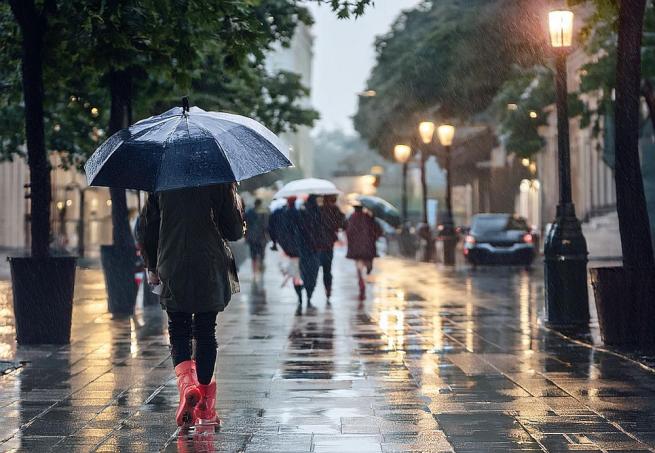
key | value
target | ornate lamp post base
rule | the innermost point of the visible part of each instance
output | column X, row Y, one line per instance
column 449, row 238
column 565, row 251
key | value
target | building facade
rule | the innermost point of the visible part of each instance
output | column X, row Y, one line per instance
column 75, row 209
column 298, row 58
column 13, row 204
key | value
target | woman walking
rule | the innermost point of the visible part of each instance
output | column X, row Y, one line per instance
column 310, row 229
column 283, row 228
column 362, row 231
column 185, row 233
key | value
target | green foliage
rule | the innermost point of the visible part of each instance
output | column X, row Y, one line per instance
column 445, row 60
column 213, row 50
column 348, row 8
column 526, row 92
column 598, row 76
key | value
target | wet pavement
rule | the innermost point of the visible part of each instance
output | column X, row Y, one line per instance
column 435, row 360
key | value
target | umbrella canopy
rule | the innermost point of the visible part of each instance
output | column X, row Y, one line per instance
column 186, row 148
column 381, row 208
column 308, row 186
column 276, row 204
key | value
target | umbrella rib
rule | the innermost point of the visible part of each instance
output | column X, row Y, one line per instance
column 163, row 152
column 278, row 146
column 200, row 126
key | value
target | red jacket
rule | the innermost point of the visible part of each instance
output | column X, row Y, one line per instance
column 362, row 231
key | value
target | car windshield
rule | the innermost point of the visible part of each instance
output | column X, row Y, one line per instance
column 494, row 224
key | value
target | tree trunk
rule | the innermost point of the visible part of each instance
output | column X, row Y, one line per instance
column 120, row 87
column 33, row 28
column 634, row 225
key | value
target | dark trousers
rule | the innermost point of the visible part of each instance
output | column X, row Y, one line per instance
column 185, row 327
column 325, row 258
column 309, row 265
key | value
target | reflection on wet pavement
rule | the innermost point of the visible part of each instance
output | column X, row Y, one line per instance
column 435, row 361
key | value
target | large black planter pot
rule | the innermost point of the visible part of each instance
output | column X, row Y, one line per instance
column 118, row 264
column 615, row 306
column 43, row 298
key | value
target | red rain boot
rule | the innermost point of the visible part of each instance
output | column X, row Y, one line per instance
column 362, row 289
column 187, row 384
column 206, row 409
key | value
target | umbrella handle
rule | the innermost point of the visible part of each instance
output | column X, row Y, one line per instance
column 185, row 104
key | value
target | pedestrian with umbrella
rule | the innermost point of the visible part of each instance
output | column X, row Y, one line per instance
column 284, row 230
column 332, row 220
column 310, row 230
column 190, row 159
column 362, row 232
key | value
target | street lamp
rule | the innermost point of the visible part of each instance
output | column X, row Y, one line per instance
column 402, row 154
column 426, row 131
column 565, row 249
column 446, row 134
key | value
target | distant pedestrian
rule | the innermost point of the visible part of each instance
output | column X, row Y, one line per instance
column 310, row 231
column 332, row 220
column 362, row 232
column 185, row 233
column 256, row 236
column 284, row 230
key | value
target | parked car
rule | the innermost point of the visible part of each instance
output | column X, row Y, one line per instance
column 499, row 239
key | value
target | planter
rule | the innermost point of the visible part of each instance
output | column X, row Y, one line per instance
column 615, row 306
column 118, row 264
column 43, row 298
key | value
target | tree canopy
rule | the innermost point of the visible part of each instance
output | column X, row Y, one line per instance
column 212, row 50
column 445, row 61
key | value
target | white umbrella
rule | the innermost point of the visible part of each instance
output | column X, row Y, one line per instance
column 276, row 204
column 308, row 186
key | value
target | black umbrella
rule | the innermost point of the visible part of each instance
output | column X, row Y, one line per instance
column 186, row 148
column 381, row 208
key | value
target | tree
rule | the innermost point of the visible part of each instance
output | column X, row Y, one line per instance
column 519, row 107
column 434, row 64
column 119, row 45
column 615, row 34
column 33, row 23
column 634, row 226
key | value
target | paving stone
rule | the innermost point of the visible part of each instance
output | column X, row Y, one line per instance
column 435, row 361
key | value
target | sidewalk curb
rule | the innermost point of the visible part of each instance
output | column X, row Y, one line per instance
column 610, row 351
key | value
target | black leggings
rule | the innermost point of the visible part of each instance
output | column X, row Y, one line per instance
column 325, row 258
column 182, row 328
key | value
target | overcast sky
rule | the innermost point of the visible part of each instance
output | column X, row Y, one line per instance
column 343, row 58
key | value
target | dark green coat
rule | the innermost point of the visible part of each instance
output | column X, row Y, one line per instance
column 185, row 234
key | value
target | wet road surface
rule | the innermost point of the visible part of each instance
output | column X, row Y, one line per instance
column 434, row 361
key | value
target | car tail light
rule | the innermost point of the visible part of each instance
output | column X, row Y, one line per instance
column 527, row 238
column 470, row 239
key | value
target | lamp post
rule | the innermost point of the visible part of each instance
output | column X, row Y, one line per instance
column 402, row 154
column 426, row 131
column 446, row 134
column 565, row 248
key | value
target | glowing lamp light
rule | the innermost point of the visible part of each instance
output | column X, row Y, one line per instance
column 560, row 26
column 402, row 153
column 426, row 131
column 533, row 114
column 377, row 170
column 369, row 180
column 446, row 134
column 525, row 162
column 95, row 112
